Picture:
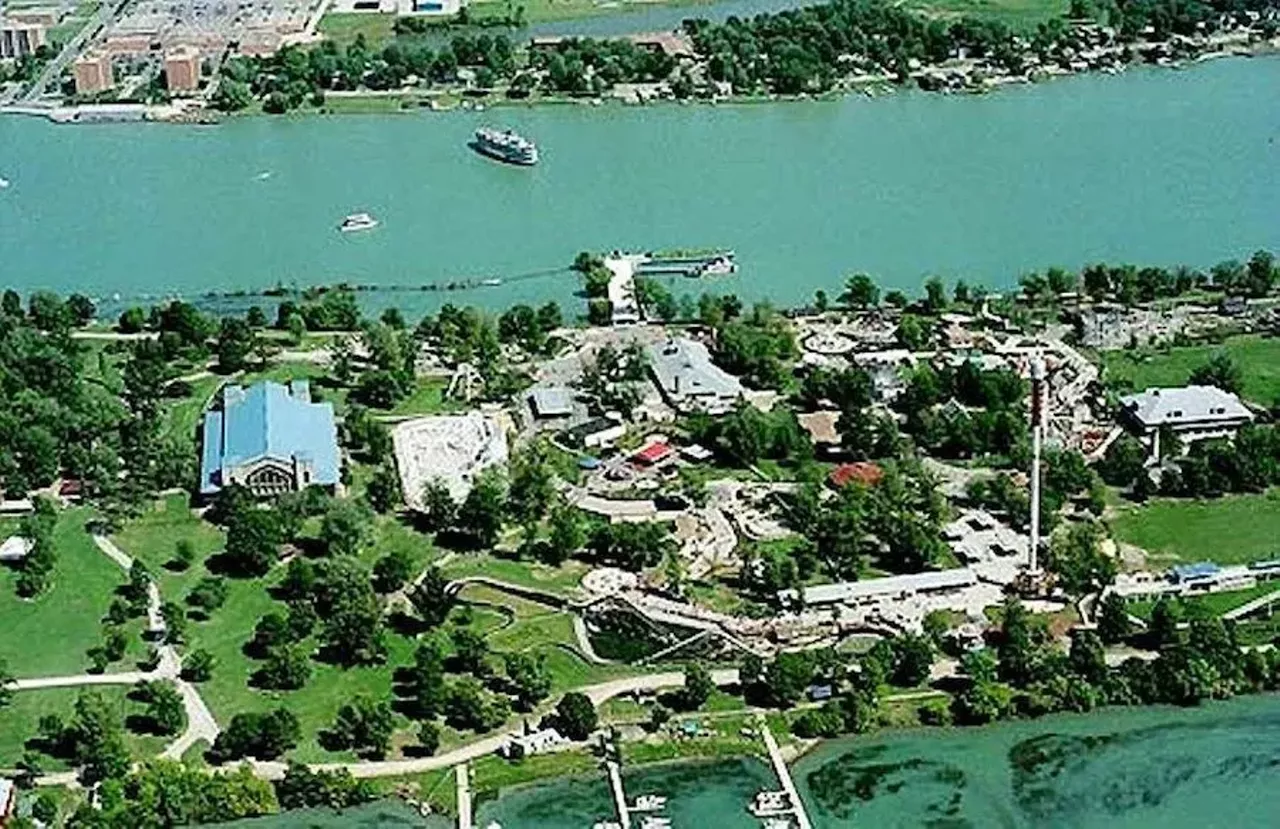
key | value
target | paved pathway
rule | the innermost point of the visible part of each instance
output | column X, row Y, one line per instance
column 480, row 748
column 201, row 725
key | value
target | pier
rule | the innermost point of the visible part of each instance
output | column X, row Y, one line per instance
column 463, row 778
column 619, row 794
column 784, row 776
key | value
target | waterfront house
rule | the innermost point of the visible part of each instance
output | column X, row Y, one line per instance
column 271, row 439
column 1191, row 413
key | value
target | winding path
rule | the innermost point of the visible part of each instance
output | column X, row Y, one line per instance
column 201, row 725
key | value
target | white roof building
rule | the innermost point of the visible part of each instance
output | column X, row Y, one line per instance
column 1192, row 412
column 14, row 548
column 871, row 589
column 539, row 742
column 689, row 380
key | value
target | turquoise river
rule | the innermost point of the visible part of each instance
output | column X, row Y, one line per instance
column 1216, row 766
column 1153, row 166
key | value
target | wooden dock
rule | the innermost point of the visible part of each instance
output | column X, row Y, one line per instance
column 619, row 794
column 463, row 779
column 784, row 776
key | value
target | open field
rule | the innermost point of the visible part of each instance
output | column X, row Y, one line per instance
column 48, row 636
column 1018, row 14
column 1259, row 360
column 1214, row 603
column 344, row 28
column 19, row 721
column 1231, row 530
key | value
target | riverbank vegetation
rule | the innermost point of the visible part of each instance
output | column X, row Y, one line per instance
column 813, row 50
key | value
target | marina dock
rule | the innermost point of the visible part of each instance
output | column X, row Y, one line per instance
column 463, row 778
column 784, row 777
column 619, row 794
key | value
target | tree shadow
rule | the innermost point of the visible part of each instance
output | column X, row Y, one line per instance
column 406, row 625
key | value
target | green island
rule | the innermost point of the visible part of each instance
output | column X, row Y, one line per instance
column 341, row 558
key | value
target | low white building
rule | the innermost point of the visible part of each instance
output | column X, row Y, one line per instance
column 1192, row 413
column 688, row 379
column 14, row 548
column 537, row 742
column 874, row 590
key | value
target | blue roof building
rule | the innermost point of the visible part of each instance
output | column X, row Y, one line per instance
column 271, row 439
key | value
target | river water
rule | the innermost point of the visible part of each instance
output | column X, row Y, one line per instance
column 1216, row 766
column 1155, row 166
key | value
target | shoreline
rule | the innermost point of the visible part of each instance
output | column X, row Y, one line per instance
column 410, row 101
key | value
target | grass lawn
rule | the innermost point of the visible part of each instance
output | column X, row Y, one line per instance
column 1018, row 14
column 720, row 737
column 427, row 398
column 343, row 28
column 20, row 719
column 48, row 636
column 152, row 537
column 1259, row 360
column 561, row 580
column 1230, row 530
column 1215, row 603
column 492, row 774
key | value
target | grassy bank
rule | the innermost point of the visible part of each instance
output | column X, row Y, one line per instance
column 1258, row 357
column 1231, row 530
column 1215, row 604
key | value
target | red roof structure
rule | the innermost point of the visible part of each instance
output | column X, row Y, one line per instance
column 655, row 452
column 864, row 472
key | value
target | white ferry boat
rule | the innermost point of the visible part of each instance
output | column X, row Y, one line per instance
column 358, row 221
column 505, row 145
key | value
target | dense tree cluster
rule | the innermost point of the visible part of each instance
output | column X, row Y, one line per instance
column 966, row 411
column 896, row 521
column 54, row 420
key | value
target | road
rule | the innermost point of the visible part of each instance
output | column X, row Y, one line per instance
column 480, row 748
column 53, row 69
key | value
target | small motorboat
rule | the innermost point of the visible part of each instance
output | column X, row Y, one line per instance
column 358, row 221
column 4, row 182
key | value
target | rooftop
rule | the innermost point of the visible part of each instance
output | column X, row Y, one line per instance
column 864, row 472
column 685, row 372
column 269, row 420
column 1189, row 404
column 875, row 588
column 451, row 448
column 551, row 401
